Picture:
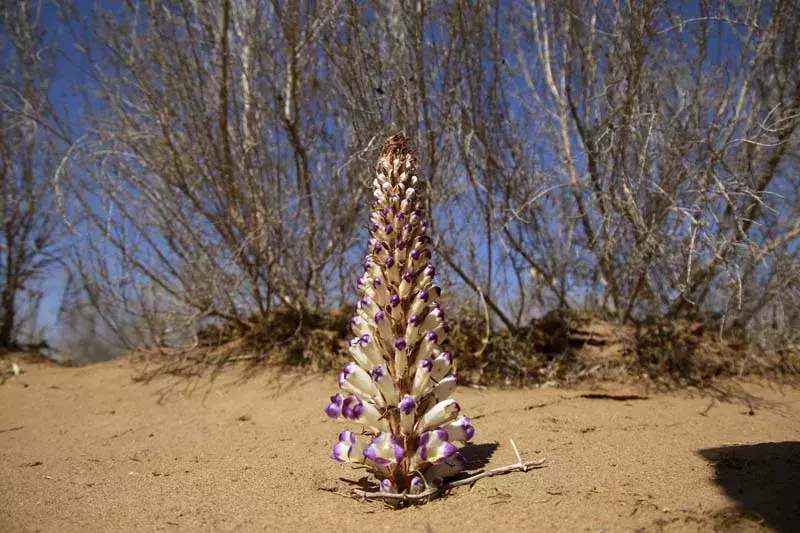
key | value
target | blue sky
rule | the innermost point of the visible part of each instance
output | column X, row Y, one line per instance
column 74, row 75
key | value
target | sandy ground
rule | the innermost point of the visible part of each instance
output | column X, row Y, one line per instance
column 89, row 449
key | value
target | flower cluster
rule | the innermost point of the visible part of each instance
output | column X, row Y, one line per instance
column 399, row 383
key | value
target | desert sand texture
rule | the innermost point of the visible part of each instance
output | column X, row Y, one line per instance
column 90, row 449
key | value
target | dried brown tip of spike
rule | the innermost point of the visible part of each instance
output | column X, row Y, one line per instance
column 395, row 147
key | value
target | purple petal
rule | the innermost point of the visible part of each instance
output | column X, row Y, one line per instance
column 394, row 301
column 423, row 295
column 389, row 262
column 398, row 451
column 432, row 336
column 347, row 436
column 378, row 373
column 415, row 254
column 423, row 451
column 379, row 316
column 448, row 450
column 408, row 277
column 407, row 404
column 400, row 344
column 372, row 454
column 424, row 438
column 340, row 451
column 388, row 229
column 414, row 320
column 334, row 408
column 352, row 408
column 441, row 434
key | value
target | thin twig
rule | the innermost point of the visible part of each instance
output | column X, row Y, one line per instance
column 519, row 466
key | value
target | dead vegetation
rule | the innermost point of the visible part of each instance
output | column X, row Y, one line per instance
column 559, row 348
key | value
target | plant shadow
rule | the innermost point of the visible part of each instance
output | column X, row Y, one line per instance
column 763, row 479
column 478, row 455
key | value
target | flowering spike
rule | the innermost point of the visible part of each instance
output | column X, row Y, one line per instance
column 401, row 377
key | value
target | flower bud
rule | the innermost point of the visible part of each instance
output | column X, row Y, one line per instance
column 334, row 408
column 422, row 378
column 385, row 385
column 439, row 414
column 408, row 408
column 400, row 357
column 356, row 380
column 417, row 485
column 382, row 322
column 459, row 430
column 445, row 388
column 442, row 365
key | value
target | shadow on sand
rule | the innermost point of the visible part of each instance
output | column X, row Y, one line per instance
column 478, row 455
column 763, row 479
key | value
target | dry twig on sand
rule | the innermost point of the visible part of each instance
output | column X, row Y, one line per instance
column 433, row 492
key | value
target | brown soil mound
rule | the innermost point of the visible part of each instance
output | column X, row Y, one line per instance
column 559, row 348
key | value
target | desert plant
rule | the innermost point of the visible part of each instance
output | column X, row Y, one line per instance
column 401, row 379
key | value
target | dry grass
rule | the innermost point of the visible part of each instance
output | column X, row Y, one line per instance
column 560, row 348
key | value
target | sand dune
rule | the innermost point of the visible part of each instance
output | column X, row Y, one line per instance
column 89, row 449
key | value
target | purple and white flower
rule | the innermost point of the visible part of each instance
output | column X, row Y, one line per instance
column 385, row 450
column 400, row 380
column 348, row 449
